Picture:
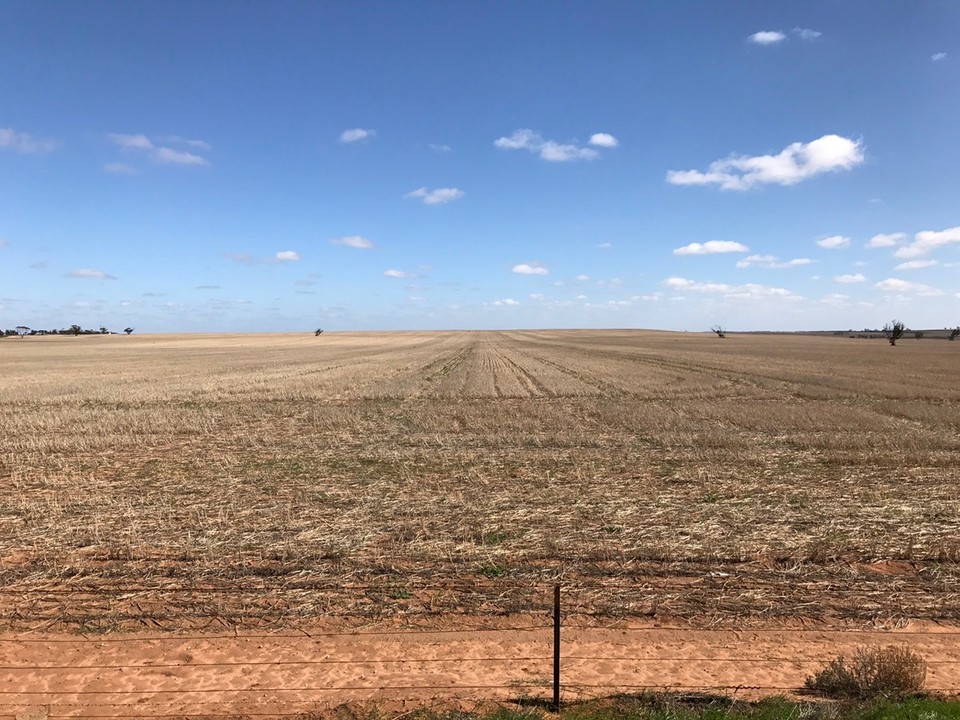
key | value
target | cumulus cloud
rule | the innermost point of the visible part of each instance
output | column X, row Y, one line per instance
column 937, row 57
column 748, row 291
column 916, row 264
column 25, row 143
column 530, row 269
column 604, row 140
column 807, row 33
column 834, row 242
column 896, row 285
column 90, row 274
column 391, row 273
column 440, row 196
column 288, row 256
column 771, row 261
column 506, row 301
column 526, row 139
column 711, row 247
column 888, row 240
column 848, row 279
column 767, row 37
column 356, row 135
column 795, row 163
column 926, row 241
column 354, row 241
column 162, row 154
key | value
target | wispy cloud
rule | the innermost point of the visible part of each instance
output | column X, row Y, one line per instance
column 849, row 279
column 391, row 273
column 532, row 141
column 888, row 240
column 161, row 154
column 834, row 242
column 748, row 291
column 771, row 261
column 288, row 256
column 927, row 241
column 807, row 33
column 712, row 247
column 937, row 57
column 793, row 164
column 439, row 196
column 505, row 301
column 916, row 264
column 89, row 274
column 534, row 268
column 354, row 241
column 895, row 285
column 767, row 37
column 357, row 135
column 119, row 167
column 438, row 147
column 25, row 143
column 284, row 256
column 605, row 245
column 604, row 140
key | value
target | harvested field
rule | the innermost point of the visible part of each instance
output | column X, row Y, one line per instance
column 174, row 482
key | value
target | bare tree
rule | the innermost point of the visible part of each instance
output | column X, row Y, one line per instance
column 719, row 331
column 894, row 331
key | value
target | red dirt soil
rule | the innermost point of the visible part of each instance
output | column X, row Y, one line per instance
column 399, row 668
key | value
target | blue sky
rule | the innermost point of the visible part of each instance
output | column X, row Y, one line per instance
column 255, row 166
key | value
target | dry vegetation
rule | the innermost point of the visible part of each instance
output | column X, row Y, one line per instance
column 185, row 480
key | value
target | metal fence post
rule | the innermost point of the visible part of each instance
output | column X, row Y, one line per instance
column 556, row 649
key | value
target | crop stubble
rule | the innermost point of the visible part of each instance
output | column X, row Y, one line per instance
column 178, row 481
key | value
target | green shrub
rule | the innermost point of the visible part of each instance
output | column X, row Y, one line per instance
column 893, row 672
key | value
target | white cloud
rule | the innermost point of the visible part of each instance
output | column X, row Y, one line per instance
column 848, row 279
column 354, row 241
column 711, row 247
column 530, row 269
column 526, row 139
column 767, row 37
column 605, row 245
column 90, row 274
column 24, row 142
column 288, row 256
column 439, row 196
column 771, row 261
column 536, row 296
column 582, row 278
column 160, row 153
column 916, row 264
column 749, row 291
column 196, row 144
column 437, row 147
column 356, row 135
column 580, row 297
column 506, row 301
column 793, row 164
column 604, row 140
column 807, row 33
column 937, row 57
column 928, row 240
column 834, row 242
column 391, row 273
column 882, row 241
column 903, row 286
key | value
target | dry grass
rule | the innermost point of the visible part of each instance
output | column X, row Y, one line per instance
column 179, row 479
column 890, row 672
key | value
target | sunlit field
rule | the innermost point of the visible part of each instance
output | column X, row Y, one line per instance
column 175, row 481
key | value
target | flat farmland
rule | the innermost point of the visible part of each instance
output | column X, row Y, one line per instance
column 199, row 481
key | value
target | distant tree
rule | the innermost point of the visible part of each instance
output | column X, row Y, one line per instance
column 128, row 330
column 918, row 334
column 954, row 333
column 76, row 329
column 23, row 330
column 103, row 330
column 719, row 331
column 319, row 332
column 893, row 331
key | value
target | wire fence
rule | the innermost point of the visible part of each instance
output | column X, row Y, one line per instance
column 554, row 651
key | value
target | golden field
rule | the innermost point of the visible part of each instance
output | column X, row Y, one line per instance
column 179, row 481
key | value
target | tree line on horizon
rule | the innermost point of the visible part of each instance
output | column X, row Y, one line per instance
column 24, row 331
